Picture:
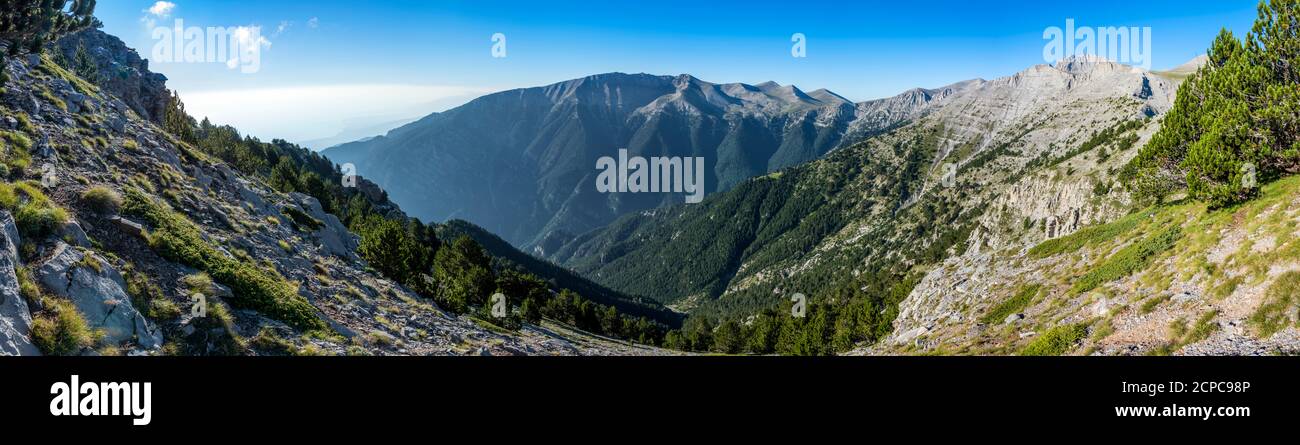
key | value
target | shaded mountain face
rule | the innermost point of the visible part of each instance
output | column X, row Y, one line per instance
column 522, row 163
column 1029, row 156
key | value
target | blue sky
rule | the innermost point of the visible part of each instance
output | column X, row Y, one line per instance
column 332, row 64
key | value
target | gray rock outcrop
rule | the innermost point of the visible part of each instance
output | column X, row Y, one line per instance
column 99, row 294
column 15, row 318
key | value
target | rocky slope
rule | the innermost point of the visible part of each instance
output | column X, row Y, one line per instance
column 79, row 276
column 521, row 163
column 1217, row 282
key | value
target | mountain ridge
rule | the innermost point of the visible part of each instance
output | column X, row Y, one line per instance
column 548, row 139
column 879, row 206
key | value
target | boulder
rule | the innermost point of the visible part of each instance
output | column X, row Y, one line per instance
column 167, row 156
column 74, row 234
column 15, row 317
column 61, row 86
column 333, row 235
column 250, row 196
column 116, row 123
column 98, row 292
column 128, row 227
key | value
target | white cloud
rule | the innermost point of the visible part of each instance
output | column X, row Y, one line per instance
column 314, row 112
column 281, row 28
column 249, row 36
column 313, row 23
column 161, row 9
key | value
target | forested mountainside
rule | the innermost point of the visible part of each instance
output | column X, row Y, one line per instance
column 520, row 163
column 1072, row 209
column 857, row 230
column 134, row 229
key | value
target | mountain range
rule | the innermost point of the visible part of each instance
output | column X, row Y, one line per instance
column 521, row 163
column 879, row 211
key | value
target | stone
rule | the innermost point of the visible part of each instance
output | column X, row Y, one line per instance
column 15, row 316
column 34, row 60
column 251, row 197
column 74, row 234
column 116, row 123
column 1185, row 297
column 75, row 99
column 334, row 237
column 167, row 156
column 1013, row 318
column 128, row 227
column 98, row 292
column 31, row 105
column 60, row 85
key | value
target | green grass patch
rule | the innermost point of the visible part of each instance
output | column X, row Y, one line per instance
column 62, row 330
column 1057, row 341
column 102, row 200
column 1089, row 236
column 36, row 215
column 84, row 87
column 1152, row 303
column 51, row 98
column 1275, row 314
column 1180, row 334
column 1012, row 305
column 1128, row 260
column 261, row 289
column 148, row 298
column 15, row 151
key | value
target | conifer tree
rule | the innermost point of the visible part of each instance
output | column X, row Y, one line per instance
column 1236, row 123
column 30, row 24
column 85, row 66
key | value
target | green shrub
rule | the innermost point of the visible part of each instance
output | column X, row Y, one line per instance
column 302, row 219
column 102, row 200
column 148, row 298
column 1056, row 341
column 254, row 287
column 62, row 331
column 15, row 148
column 199, row 283
column 36, row 216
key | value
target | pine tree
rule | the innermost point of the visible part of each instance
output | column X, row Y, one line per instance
column 728, row 338
column 177, row 122
column 30, row 24
column 464, row 274
column 60, row 58
column 85, row 66
column 1236, row 123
